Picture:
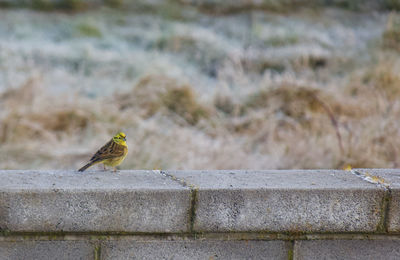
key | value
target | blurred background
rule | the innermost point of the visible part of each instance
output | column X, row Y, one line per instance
column 204, row 84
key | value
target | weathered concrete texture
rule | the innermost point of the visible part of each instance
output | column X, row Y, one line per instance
column 195, row 250
column 391, row 178
column 46, row 250
column 284, row 201
column 347, row 249
column 127, row 201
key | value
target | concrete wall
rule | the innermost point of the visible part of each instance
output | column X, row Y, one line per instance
column 319, row 214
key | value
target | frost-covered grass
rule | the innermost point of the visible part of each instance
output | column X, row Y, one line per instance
column 192, row 90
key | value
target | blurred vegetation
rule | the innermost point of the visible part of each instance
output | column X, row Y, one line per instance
column 89, row 30
column 391, row 35
column 154, row 94
column 68, row 5
column 170, row 8
column 392, row 4
column 195, row 89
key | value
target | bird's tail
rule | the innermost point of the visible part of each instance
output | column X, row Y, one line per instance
column 86, row 166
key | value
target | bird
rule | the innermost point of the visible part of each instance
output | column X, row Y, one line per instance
column 111, row 154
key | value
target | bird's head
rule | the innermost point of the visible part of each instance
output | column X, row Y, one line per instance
column 120, row 138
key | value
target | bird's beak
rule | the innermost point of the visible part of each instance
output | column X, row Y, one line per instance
column 125, row 139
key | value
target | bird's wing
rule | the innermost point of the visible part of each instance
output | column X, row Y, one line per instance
column 108, row 151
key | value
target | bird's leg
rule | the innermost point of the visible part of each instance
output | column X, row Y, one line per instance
column 104, row 167
column 115, row 169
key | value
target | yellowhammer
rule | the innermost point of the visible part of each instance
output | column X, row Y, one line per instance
column 111, row 154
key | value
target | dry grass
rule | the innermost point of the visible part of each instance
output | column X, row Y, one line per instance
column 284, row 125
column 259, row 113
column 154, row 94
column 391, row 35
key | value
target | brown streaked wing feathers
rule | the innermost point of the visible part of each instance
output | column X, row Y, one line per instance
column 108, row 151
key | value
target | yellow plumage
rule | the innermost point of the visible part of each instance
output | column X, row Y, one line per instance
column 111, row 154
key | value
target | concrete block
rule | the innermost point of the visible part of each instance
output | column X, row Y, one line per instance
column 127, row 201
column 284, row 201
column 390, row 177
column 194, row 250
column 347, row 249
column 46, row 250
